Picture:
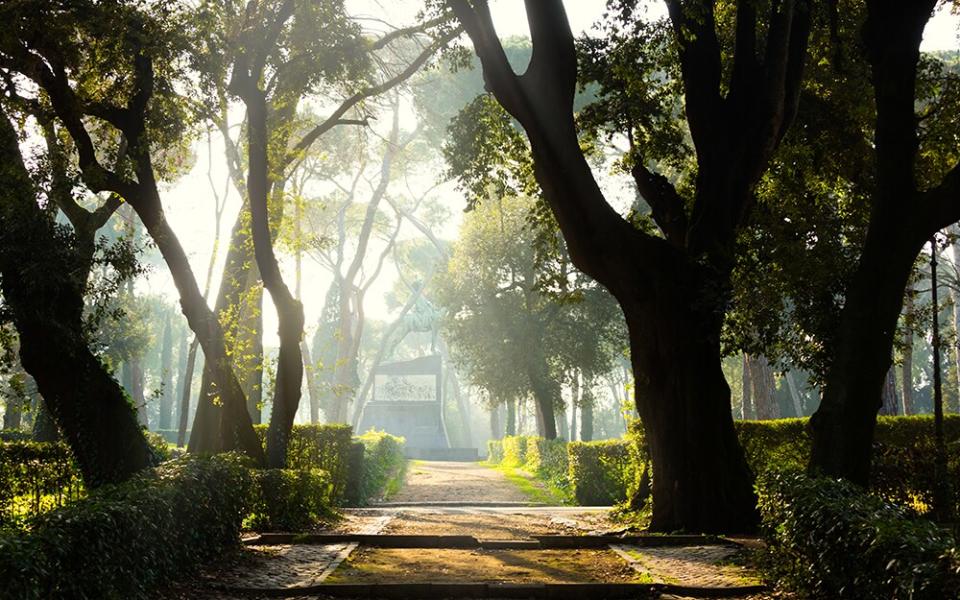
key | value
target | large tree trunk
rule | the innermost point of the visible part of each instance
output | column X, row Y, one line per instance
column 701, row 481
column 212, row 422
column 43, row 288
column 511, row 424
column 289, row 379
column 901, row 221
column 546, row 396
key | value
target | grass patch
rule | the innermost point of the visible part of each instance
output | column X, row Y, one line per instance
column 535, row 490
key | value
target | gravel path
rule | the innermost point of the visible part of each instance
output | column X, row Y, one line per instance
column 437, row 481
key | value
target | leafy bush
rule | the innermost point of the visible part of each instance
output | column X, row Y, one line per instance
column 35, row 477
column 383, row 464
column 514, row 450
column 124, row 540
column 831, row 539
column 903, row 452
column 547, row 459
column 288, row 499
column 495, row 451
column 325, row 447
column 15, row 435
column 601, row 473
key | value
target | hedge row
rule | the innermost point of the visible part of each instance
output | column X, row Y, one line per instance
column 288, row 499
column 134, row 536
column 378, row 463
column 325, row 447
column 35, row 477
column 608, row 471
column 830, row 539
column 593, row 473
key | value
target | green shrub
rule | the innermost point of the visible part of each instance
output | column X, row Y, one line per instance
column 325, row 447
column 495, row 451
column 15, row 435
column 124, row 540
column 288, row 499
column 514, row 450
column 602, row 473
column 830, row 539
column 547, row 459
column 35, row 477
column 383, row 463
column 903, row 451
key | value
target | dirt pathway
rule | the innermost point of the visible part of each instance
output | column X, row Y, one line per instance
column 447, row 498
column 456, row 482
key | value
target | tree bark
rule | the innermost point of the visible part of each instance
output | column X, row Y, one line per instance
column 906, row 367
column 761, row 377
column 746, row 398
column 166, row 377
column 902, row 219
column 289, row 379
column 889, row 404
column 43, row 288
column 511, row 424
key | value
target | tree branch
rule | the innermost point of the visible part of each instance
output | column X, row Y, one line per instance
column 665, row 203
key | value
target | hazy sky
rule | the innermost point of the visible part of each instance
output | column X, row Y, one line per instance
column 190, row 204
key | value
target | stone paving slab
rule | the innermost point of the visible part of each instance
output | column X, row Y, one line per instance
column 696, row 566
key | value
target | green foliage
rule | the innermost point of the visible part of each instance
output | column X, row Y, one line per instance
column 495, row 451
column 289, row 499
column 383, row 464
column 514, row 450
column 124, row 540
column 830, row 539
column 35, row 477
column 903, row 454
column 325, row 447
column 547, row 459
column 601, row 472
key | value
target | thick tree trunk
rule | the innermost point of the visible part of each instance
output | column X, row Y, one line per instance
column 701, row 481
column 44, row 294
column 844, row 424
column 212, row 423
column 546, row 395
column 289, row 379
column 44, row 427
column 136, row 391
column 236, row 430
column 511, row 426
column 166, row 378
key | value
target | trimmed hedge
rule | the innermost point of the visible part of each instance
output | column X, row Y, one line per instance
column 325, row 447
column 601, row 472
column 383, row 461
column 35, row 477
column 288, row 499
column 830, row 539
column 548, row 460
column 514, row 450
column 124, row 540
